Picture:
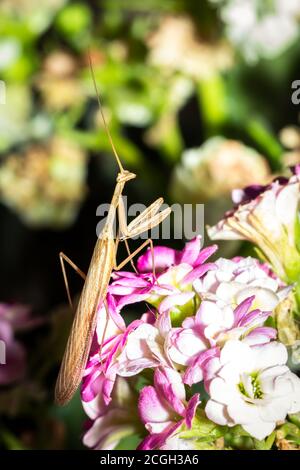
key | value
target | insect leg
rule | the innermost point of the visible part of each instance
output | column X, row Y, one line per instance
column 129, row 254
column 146, row 219
column 64, row 258
column 149, row 218
column 132, row 255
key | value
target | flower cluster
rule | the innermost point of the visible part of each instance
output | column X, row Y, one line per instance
column 13, row 318
column 211, row 171
column 268, row 217
column 201, row 360
column 45, row 191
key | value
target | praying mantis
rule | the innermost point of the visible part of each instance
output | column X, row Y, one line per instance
column 96, row 281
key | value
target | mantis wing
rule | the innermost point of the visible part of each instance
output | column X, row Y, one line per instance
column 84, row 324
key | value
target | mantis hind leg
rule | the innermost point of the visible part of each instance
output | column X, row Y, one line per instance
column 132, row 255
column 64, row 258
column 129, row 254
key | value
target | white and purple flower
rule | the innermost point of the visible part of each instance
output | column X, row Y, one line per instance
column 109, row 424
column 251, row 386
column 102, row 367
column 176, row 272
column 267, row 216
column 201, row 336
column 13, row 318
column 206, row 322
column 234, row 280
column 164, row 410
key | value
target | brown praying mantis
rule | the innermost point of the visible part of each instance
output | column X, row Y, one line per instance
column 102, row 264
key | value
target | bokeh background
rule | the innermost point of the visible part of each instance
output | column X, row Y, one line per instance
column 197, row 95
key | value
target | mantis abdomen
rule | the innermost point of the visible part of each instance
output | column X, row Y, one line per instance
column 80, row 339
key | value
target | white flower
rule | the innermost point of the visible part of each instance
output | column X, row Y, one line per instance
column 215, row 168
column 252, row 387
column 137, row 353
column 254, row 26
column 267, row 217
column 175, row 46
column 235, row 280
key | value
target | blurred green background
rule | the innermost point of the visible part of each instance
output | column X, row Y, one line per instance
column 197, row 95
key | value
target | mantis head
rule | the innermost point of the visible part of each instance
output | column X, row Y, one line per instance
column 124, row 176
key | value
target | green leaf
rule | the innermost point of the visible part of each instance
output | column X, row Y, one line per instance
column 97, row 141
column 213, row 102
column 238, row 431
column 74, row 22
column 289, row 430
column 203, row 430
column 238, row 438
column 10, row 441
column 129, row 443
column 265, row 444
column 266, row 141
column 295, row 419
column 297, row 233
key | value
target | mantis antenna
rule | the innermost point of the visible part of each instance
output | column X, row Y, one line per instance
column 98, row 277
column 103, row 117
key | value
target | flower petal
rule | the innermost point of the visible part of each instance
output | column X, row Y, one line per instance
column 152, row 408
column 272, row 354
column 191, row 409
column 191, row 251
column 260, row 335
column 175, row 300
column 205, row 254
column 216, row 412
column 163, row 257
column 259, row 429
column 198, row 272
column 156, row 441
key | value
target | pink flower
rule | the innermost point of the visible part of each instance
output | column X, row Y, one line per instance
column 219, row 324
column 163, row 408
column 201, row 336
column 176, row 273
column 102, row 366
column 146, row 347
column 237, row 279
column 123, row 351
column 129, row 288
column 19, row 316
column 187, row 342
column 165, row 257
column 12, row 353
column 109, row 424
